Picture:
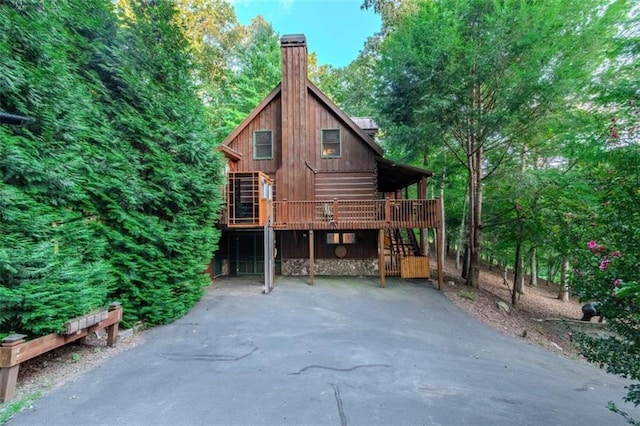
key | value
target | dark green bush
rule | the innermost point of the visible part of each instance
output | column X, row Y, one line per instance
column 112, row 193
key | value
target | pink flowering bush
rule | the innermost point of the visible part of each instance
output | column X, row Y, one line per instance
column 607, row 270
column 607, row 266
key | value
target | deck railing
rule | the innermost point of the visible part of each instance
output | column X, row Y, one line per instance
column 357, row 214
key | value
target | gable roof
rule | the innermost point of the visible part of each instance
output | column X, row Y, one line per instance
column 345, row 118
column 324, row 99
column 257, row 110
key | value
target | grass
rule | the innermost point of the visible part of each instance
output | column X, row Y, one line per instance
column 8, row 409
column 468, row 295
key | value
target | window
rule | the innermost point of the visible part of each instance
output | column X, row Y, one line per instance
column 341, row 238
column 262, row 144
column 331, row 144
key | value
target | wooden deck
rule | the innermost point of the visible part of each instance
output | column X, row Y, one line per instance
column 352, row 214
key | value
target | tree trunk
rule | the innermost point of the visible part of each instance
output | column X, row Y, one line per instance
column 465, row 261
column 551, row 266
column 461, row 234
column 475, row 214
column 518, row 276
column 533, row 282
column 505, row 275
column 563, row 291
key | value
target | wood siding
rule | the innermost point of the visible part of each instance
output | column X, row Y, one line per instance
column 345, row 185
column 356, row 155
column 267, row 119
column 295, row 245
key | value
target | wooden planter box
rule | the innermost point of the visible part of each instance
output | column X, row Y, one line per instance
column 15, row 349
column 85, row 321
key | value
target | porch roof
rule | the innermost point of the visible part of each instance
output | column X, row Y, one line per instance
column 393, row 176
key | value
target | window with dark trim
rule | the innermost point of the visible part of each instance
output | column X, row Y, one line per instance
column 331, row 143
column 262, row 145
column 341, row 238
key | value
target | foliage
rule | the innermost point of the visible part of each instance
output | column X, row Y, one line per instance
column 255, row 73
column 477, row 75
column 608, row 267
column 607, row 262
column 10, row 408
column 113, row 191
column 52, row 254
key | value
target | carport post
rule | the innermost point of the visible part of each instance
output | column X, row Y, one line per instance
column 311, row 256
column 381, row 263
column 440, row 243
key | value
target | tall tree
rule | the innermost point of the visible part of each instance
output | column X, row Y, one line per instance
column 111, row 193
column 53, row 263
column 213, row 32
column 476, row 74
column 160, row 213
column 607, row 260
column 255, row 72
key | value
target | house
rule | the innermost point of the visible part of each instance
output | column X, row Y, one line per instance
column 302, row 173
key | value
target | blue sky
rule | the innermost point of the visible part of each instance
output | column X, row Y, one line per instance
column 335, row 29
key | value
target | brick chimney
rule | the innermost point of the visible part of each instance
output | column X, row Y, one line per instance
column 297, row 184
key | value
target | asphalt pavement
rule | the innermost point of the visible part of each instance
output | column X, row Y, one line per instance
column 340, row 352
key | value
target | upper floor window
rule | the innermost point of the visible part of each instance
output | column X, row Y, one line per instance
column 331, row 143
column 262, row 144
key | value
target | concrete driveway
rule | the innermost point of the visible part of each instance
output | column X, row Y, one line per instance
column 343, row 352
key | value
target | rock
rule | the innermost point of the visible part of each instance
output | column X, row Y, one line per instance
column 555, row 346
column 451, row 283
column 503, row 306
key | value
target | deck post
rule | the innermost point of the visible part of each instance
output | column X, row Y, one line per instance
column 424, row 232
column 440, row 242
column 387, row 210
column 311, row 257
column 381, row 260
column 9, row 372
column 285, row 211
column 112, row 330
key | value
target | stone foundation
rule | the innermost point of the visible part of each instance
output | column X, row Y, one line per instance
column 348, row 267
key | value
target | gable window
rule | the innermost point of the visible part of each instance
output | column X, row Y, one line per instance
column 331, row 143
column 262, row 145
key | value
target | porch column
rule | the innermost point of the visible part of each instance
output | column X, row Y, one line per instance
column 381, row 262
column 424, row 232
column 440, row 242
column 311, row 257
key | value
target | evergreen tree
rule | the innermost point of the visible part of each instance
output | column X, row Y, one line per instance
column 256, row 72
column 52, row 249
column 113, row 192
column 162, row 203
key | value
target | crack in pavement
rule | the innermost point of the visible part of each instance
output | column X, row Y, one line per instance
column 323, row 367
column 336, row 393
column 206, row 357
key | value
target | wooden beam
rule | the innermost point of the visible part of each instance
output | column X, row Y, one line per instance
column 381, row 260
column 311, row 257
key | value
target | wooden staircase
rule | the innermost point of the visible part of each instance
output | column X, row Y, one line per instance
column 403, row 256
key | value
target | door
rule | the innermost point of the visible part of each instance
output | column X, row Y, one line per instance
column 249, row 253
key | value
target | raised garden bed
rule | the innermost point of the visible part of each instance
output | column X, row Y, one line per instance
column 15, row 349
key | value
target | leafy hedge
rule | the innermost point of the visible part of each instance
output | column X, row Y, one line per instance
column 112, row 193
